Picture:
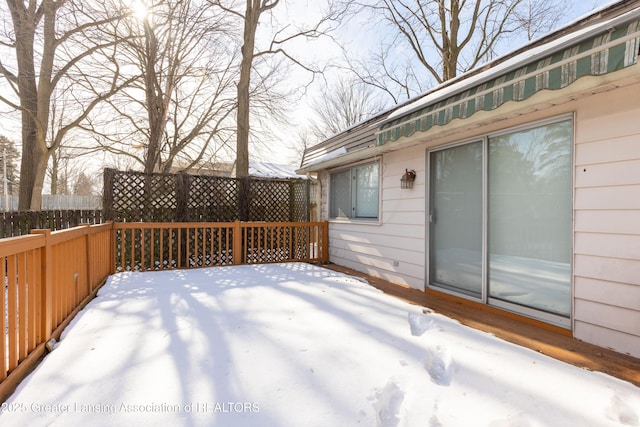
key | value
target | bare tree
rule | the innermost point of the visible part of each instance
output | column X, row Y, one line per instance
column 536, row 17
column 251, row 16
column 442, row 38
column 53, row 41
column 10, row 157
column 254, row 9
column 58, row 172
column 84, row 185
column 343, row 105
column 181, row 105
column 63, row 169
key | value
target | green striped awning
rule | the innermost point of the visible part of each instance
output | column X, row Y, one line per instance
column 602, row 54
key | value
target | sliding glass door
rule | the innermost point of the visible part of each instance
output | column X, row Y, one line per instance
column 455, row 216
column 500, row 221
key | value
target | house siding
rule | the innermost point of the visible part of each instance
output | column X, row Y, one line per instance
column 607, row 220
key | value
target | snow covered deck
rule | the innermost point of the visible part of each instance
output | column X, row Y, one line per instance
column 295, row 344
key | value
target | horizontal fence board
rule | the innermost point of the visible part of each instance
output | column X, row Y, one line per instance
column 20, row 244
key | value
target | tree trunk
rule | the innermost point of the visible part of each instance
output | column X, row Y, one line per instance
column 55, row 168
column 33, row 168
column 34, row 98
column 450, row 48
column 155, row 107
column 242, row 138
column 34, row 152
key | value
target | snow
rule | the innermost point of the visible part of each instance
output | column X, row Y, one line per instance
column 273, row 170
column 295, row 345
column 328, row 156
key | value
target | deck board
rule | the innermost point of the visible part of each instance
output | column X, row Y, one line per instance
column 545, row 339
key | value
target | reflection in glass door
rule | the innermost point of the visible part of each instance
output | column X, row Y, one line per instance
column 500, row 220
column 530, row 183
column 455, row 215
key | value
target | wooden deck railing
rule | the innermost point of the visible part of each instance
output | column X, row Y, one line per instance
column 50, row 276
column 142, row 246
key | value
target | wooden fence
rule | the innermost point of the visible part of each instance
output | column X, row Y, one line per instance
column 51, row 275
column 21, row 223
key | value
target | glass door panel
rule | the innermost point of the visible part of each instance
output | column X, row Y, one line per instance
column 456, row 218
column 529, row 218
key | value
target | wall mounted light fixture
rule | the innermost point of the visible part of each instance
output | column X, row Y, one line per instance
column 407, row 179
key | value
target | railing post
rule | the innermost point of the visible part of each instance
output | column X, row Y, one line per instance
column 325, row 242
column 89, row 254
column 112, row 248
column 46, row 283
column 237, row 250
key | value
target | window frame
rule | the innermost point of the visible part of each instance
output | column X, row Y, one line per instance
column 353, row 193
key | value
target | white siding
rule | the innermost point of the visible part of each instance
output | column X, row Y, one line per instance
column 393, row 248
column 607, row 220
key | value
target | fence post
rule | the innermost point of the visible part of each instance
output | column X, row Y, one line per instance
column 237, row 250
column 46, row 282
column 307, row 201
column 107, row 194
column 292, row 200
column 244, row 196
column 112, row 243
column 183, row 187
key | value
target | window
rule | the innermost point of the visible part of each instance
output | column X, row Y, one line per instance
column 355, row 192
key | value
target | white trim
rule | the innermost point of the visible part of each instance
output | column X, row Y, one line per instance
column 534, row 124
column 573, row 222
column 485, row 219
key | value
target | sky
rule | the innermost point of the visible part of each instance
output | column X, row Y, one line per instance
column 294, row 344
column 358, row 37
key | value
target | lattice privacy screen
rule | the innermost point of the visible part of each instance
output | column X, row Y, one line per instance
column 158, row 197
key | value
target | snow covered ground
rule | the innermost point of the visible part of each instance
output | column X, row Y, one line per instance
column 295, row 345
